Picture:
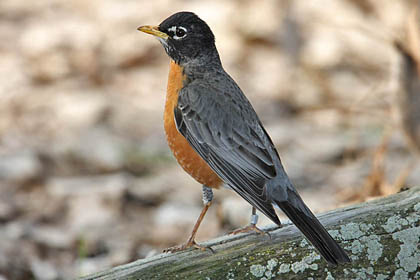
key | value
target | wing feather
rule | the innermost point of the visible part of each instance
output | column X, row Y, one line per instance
column 229, row 137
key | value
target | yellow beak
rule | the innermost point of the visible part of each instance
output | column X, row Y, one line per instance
column 154, row 30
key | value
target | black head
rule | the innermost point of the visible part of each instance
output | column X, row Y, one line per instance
column 185, row 37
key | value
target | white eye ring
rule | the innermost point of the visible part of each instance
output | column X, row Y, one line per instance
column 178, row 31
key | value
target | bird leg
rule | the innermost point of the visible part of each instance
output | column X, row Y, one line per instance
column 252, row 225
column 207, row 198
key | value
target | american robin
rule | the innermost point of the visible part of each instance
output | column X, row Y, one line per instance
column 216, row 136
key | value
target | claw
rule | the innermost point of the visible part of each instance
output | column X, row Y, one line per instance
column 250, row 228
column 185, row 246
column 207, row 196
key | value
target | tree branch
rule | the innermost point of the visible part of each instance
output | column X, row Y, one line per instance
column 380, row 236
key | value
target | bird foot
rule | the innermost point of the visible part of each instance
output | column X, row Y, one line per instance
column 250, row 228
column 187, row 245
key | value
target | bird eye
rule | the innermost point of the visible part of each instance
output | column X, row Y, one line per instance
column 177, row 32
column 180, row 32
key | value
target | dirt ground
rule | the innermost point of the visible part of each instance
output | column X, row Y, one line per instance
column 87, row 181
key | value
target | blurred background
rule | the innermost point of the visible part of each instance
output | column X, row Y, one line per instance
column 87, row 181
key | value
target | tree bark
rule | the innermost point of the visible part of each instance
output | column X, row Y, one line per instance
column 381, row 237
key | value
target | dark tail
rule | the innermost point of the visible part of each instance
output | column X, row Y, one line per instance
column 309, row 225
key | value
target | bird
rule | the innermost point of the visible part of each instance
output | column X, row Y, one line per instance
column 217, row 137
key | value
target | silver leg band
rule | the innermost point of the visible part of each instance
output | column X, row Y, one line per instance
column 207, row 195
column 254, row 219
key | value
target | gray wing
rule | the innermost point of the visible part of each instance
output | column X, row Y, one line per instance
column 221, row 125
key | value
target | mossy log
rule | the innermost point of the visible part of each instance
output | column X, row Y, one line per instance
column 382, row 238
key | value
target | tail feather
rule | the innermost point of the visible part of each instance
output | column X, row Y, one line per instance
column 309, row 225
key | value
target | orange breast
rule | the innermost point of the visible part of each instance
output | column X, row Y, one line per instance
column 189, row 160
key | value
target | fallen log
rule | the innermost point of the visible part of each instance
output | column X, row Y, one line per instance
column 382, row 237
